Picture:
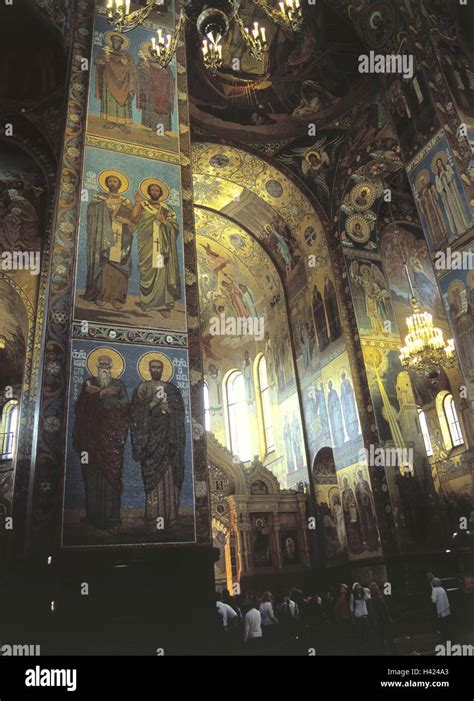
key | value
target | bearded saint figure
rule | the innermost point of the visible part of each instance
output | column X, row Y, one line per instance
column 99, row 435
column 158, row 441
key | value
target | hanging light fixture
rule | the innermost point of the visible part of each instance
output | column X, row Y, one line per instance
column 213, row 19
column 119, row 15
column 425, row 350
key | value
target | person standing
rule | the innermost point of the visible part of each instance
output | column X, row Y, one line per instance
column 253, row 627
column 359, row 598
column 343, row 616
column 269, row 620
column 440, row 599
column 381, row 619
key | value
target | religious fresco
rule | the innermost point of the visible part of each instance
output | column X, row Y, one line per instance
column 329, row 511
column 359, row 513
column 341, row 406
column 330, row 518
column 290, row 440
column 117, row 250
column 289, row 547
column 372, row 303
column 129, row 473
column 315, row 161
column 457, row 288
column 403, row 244
column 130, row 262
column 23, row 195
column 261, row 535
column 456, row 61
column 443, row 206
column 412, row 111
column 131, row 99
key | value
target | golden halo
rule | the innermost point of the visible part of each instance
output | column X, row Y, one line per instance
column 108, row 39
column 373, row 357
column 144, row 49
column 361, row 236
column 118, row 174
column 422, row 179
column 345, row 371
column 444, row 157
column 312, row 153
column 455, row 286
column 145, row 184
column 144, row 362
column 357, row 191
column 118, row 362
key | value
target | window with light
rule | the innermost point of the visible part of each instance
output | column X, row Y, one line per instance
column 238, row 417
column 425, row 433
column 8, row 430
column 452, row 420
column 207, row 408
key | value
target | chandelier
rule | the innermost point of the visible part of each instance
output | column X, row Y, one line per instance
column 213, row 19
column 425, row 350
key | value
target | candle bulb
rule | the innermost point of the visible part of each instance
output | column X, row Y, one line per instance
column 262, row 31
column 127, row 5
column 153, row 42
column 282, row 7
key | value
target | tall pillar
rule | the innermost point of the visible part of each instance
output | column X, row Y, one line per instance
column 123, row 293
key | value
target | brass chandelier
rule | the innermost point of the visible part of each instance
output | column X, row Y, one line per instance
column 212, row 19
column 425, row 350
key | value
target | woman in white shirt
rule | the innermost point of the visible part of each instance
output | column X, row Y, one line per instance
column 269, row 620
column 360, row 613
column 253, row 627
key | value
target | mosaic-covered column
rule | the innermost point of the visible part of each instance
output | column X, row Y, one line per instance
column 121, row 456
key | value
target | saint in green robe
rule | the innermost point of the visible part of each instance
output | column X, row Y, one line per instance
column 159, row 285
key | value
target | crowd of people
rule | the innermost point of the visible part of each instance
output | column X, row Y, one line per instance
column 349, row 620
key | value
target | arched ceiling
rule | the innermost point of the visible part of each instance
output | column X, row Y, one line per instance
column 232, row 262
column 257, row 197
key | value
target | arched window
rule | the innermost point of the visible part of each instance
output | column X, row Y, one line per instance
column 452, row 420
column 425, row 433
column 207, row 409
column 8, row 430
column 239, row 436
column 266, row 406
